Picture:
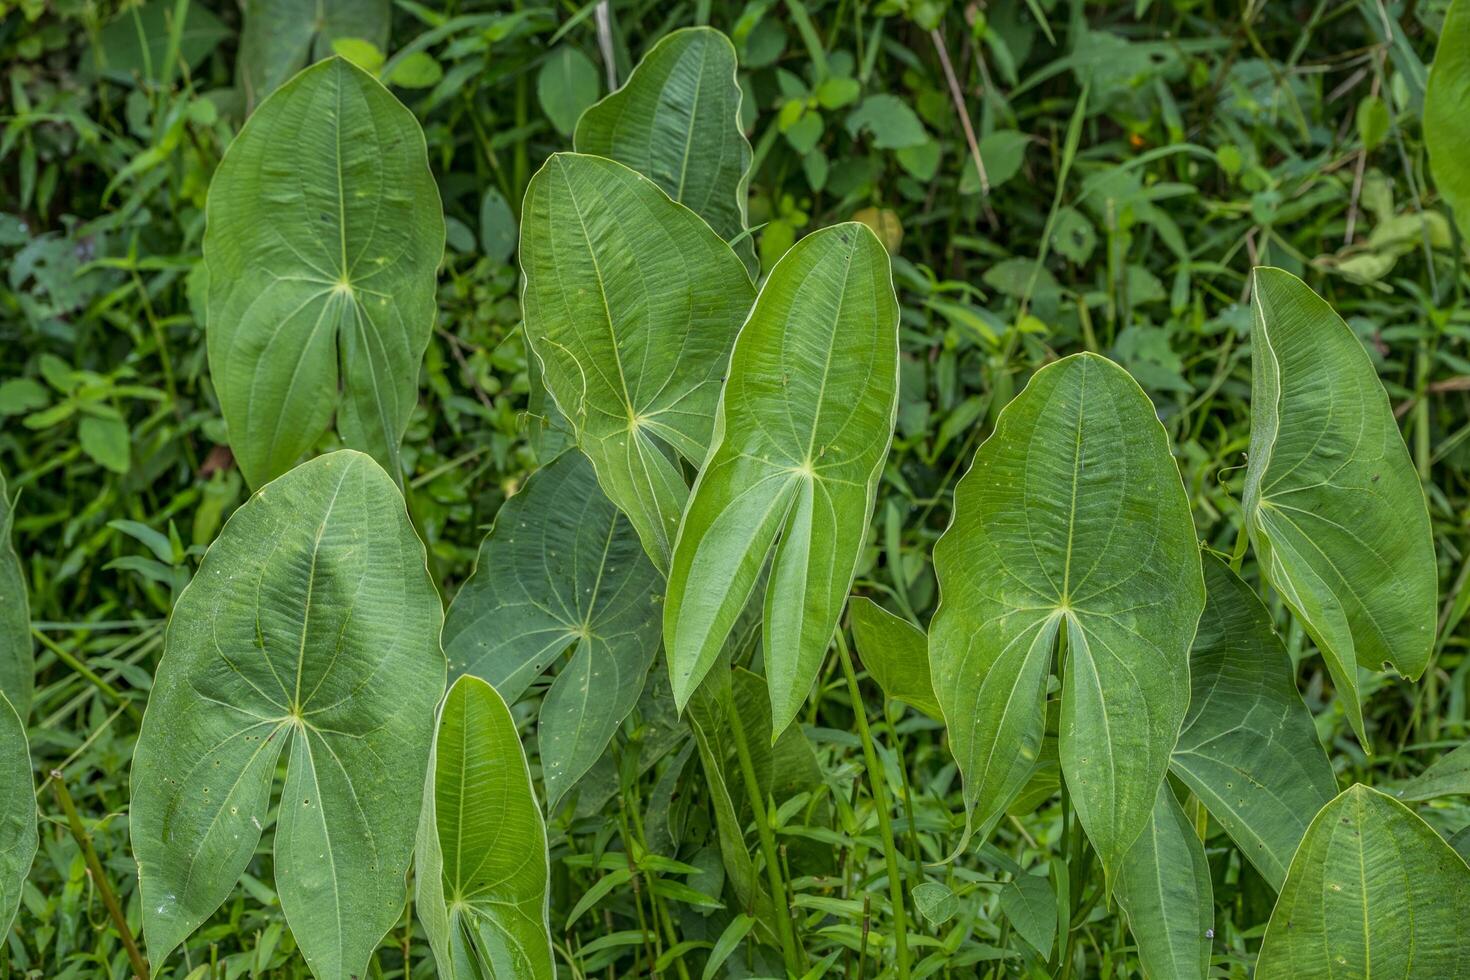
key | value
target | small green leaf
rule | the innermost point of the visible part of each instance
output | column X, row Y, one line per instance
column 889, row 120
column 895, row 653
column 1164, row 888
column 1449, row 775
column 1030, row 903
column 935, row 902
column 497, row 226
column 561, row 569
column 1336, row 514
column 566, row 86
column 361, row 52
column 1071, row 522
column 635, row 370
column 482, row 869
column 1372, row 892
column 803, row 427
column 21, row 395
column 18, row 838
column 677, row 122
column 1249, row 748
column 1373, row 122
column 418, row 70
column 106, row 441
column 311, row 629
column 324, row 233
column 1446, row 125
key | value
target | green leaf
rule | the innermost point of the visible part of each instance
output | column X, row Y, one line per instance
column 566, row 86
column 631, row 306
column 18, row 838
column 935, row 902
column 1372, row 892
column 417, row 70
column 1249, row 748
column 497, row 226
column 280, row 37
column 311, row 628
column 17, row 655
column 677, row 122
column 1071, row 522
column 1335, row 510
column 1446, row 127
column 802, row 430
column 482, row 867
column 1030, row 903
column 106, row 441
column 561, row 570
column 1164, row 888
column 323, row 239
column 891, row 122
column 136, row 42
column 895, row 653
column 731, row 938
column 1449, row 775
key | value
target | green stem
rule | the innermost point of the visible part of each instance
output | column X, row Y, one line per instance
column 780, row 910
column 88, row 673
column 880, row 801
column 99, row 877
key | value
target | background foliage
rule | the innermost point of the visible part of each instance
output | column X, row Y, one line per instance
column 1148, row 152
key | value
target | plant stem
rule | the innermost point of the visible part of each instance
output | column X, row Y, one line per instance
column 87, row 672
column 880, row 800
column 780, row 910
column 99, row 877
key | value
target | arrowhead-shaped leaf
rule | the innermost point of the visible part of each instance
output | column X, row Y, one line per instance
column 482, row 873
column 1446, row 126
column 631, row 305
column 1373, row 892
column 1334, row 506
column 17, row 657
column 1072, row 520
column 281, row 36
column 311, row 623
column 561, row 570
column 802, row 430
column 1249, row 749
column 677, row 122
column 895, row 653
column 18, row 837
column 1164, row 888
column 323, row 238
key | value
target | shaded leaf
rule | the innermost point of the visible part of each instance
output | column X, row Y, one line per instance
column 566, row 86
column 1372, row 892
column 895, row 653
column 1448, row 775
column 1072, row 520
column 311, row 628
column 136, row 41
column 1249, row 748
column 677, row 122
column 1030, row 903
column 17, row 655
column 324, row 233
column 560, row 570
column 280, row 37
column 1446, row 127
column 803, row 427
column 1335, row 510
column 18, row 838
column 1164, row 888
column 631, row 306
column 482, row 867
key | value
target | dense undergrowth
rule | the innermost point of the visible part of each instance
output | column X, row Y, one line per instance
column 1050, row 177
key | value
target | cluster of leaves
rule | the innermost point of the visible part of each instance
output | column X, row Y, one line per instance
column 1022, row 164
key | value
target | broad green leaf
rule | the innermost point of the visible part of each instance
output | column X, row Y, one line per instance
column 324, row 233
column 895, row 653
column 1335, row 510
column 1164, row 888
column 677, row 122
column 17, row 656
column 135, row 43
column 803, row 427
column 280, row 37
column 1029, row 901
column 1448, row 775
column 631, row 306
column 311, row 629
column 1446, row 127
column 18, row 837
column 1249, row 749
column 1072, row 523
column 1373, row 892
column 566, row 86
column 561, row 570
column 482, row 868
